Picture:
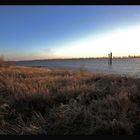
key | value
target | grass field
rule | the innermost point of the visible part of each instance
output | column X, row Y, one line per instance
column 42, row 101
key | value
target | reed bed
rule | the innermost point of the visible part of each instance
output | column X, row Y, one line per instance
column 36, row 101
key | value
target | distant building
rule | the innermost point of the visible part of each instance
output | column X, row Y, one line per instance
column 110, row 58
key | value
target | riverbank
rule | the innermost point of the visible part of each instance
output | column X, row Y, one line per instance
column 45, row 101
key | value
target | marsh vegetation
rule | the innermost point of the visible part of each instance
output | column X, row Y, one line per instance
column 59, row 102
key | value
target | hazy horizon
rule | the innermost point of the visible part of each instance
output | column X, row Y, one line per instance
column 50, row 32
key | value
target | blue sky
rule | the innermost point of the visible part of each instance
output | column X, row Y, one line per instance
column 41, row 32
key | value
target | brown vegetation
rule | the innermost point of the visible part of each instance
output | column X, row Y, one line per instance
column 4, row 63
column 42, row 101
column 1, row 62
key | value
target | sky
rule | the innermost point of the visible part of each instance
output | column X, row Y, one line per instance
column 46, row 32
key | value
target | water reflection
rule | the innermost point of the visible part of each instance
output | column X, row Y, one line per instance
column 110, row 67
column 119, row 66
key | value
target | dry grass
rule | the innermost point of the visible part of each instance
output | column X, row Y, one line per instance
column 43, row 101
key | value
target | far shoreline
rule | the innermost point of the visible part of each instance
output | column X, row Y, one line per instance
column 58, row 59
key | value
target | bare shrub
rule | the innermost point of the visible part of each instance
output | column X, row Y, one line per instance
column 1, row 61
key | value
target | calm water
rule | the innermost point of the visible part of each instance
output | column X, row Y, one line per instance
column 129, row 67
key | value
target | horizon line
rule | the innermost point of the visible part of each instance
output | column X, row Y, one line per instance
column 129, row 56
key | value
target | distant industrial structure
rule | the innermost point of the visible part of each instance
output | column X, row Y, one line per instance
column 110, row 58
